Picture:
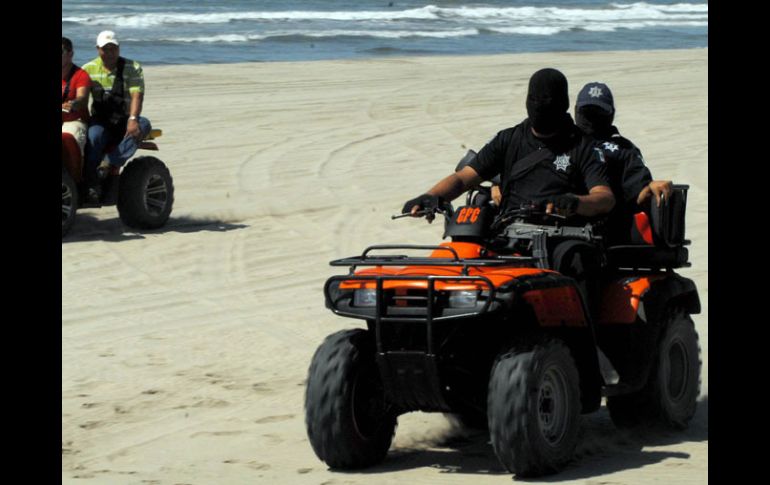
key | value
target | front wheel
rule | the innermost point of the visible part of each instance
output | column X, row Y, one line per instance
column 349, row 423
column 69, row 201
column 145, row 194
column 533, row 406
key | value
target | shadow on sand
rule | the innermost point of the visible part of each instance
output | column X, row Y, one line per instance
column 602, row 449
column 90, row 228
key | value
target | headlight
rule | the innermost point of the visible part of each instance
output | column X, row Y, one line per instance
column 463, row 299
column 365, row 297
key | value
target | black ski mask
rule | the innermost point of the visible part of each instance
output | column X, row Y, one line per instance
column 547, row 100
column 594, row 120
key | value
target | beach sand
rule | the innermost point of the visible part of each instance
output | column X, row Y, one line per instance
column 189, row 366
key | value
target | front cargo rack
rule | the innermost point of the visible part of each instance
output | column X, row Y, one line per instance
column 403, row 260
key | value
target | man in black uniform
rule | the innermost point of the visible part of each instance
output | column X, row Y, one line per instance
column 630, row 179
column 544, row 160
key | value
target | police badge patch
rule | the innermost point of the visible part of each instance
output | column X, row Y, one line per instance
column 595, row 91
column 561, row 162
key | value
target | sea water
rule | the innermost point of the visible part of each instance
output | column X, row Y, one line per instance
column 225, row 31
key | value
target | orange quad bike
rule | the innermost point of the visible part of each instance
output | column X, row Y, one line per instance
column 143, row 189
column 480, row 329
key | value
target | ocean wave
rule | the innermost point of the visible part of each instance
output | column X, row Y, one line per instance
column 212, row 39
column 155, row 19
column 676, row 7
column 527, row 30
column 595, row 27
column 383, row 34
column 638, row 11
column 405, row 34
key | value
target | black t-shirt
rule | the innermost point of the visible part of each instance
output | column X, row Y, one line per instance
column 628, row 175
column 534, row 169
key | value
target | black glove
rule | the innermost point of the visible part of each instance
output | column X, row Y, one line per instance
column 565, row 204
column 429, row 203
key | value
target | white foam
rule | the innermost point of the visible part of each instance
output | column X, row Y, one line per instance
column 677, row 7
column 528, row 30
column 214, row 39
column 394, row 34
column 155, row 19
column 385, row 34
column 481, row 16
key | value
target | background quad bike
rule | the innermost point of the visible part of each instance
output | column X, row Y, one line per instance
column 534, row 384
column 143, row 190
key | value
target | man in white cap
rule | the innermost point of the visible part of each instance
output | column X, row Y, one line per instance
column 118, row 94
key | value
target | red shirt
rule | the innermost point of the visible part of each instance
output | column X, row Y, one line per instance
column 79, row 79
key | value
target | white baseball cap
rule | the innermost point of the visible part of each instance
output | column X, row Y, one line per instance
column 106, row 37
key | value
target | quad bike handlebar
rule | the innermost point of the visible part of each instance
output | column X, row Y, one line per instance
column 525, row 212
column 446, row 210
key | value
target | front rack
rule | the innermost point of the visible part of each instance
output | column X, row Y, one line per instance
column 403, row 260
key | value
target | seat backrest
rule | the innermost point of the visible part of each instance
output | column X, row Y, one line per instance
column 668, row 220
column 658, row 239
column 664, row 225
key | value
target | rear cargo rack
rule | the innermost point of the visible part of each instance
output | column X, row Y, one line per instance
column 403, row 260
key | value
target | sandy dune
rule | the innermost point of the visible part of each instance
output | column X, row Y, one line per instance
column 189, row 368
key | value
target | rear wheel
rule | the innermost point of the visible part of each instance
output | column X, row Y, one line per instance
column 533, row 407
column 671, row 394
column 349, row 424
column 146, row 193
column 69, row 201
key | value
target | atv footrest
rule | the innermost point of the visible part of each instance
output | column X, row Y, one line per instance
column 621, row 388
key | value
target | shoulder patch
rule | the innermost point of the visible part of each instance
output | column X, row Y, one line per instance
column 622, row 142
column 599, row 154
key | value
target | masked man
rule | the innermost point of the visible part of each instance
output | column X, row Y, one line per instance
column 545, row 160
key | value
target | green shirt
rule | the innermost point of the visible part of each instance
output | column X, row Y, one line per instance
column 102, row 79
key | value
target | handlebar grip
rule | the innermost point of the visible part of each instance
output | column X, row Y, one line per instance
column 407, row 214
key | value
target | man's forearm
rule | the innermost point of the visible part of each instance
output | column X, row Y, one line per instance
column 595, row 203
column 81, row 99
column 136, row 104
column 449, row 188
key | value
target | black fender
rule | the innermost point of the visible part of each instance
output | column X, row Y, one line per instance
column 566, row 319
column 665, row 293
column 635, row 308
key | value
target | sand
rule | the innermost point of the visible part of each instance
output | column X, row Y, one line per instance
column 189, row 366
